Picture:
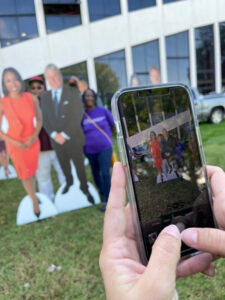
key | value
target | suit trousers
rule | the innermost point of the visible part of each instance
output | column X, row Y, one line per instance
column 47, row 159
column 71, row 151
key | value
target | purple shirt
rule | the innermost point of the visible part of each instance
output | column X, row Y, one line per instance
column 95, row 140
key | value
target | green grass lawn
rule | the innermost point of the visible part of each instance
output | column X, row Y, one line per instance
column 73, row 241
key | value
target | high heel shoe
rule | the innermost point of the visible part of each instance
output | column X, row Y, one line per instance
column 37, row 214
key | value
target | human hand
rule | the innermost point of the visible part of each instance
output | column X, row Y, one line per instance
column 74, row 81
column 30, row 140
column 210, row 239
column 20, row 145
column 125, row 277
column 59, row 138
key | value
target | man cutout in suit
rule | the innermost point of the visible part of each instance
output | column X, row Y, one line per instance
column 62, row 113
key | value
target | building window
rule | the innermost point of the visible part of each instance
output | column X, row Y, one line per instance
column 145, row 58
column 222, row 47
column 100, row 9
column 204, row 43
column 17, row 21
column 177, row 52
column 61, row 14
column 138, row 4
column 111, row 75
column 80, row 72
column 169, row 1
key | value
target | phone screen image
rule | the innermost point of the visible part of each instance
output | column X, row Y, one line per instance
column 165, row 161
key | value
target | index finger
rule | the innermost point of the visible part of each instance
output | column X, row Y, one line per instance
column 217, row 180
column 115, row 215
column 205, row 239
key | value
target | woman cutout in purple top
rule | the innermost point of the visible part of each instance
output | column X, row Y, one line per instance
column 97, row 147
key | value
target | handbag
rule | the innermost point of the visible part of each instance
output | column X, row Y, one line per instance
column 114, row 156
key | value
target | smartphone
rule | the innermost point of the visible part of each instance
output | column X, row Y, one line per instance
column 161, row 150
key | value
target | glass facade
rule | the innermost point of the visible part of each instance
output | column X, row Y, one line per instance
column 222, row 49
column 169, row 1
column 110, row 74
column 79, row 71
column 61, row 14
column 17, row 21
column 177, row 55
column 138, row 4
column 204, row 44
column 145, row 57
column 100, row 9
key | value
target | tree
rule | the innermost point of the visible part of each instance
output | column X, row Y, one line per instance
column 108, row 82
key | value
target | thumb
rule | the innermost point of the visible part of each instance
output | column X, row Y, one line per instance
column 161, row 269
column 205, row 239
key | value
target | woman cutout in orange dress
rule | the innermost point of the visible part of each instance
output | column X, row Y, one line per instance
column 22, row 112
column 155, row 151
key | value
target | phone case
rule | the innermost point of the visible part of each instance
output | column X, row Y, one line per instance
column 124, row 159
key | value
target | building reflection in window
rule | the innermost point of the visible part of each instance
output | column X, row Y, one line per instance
column 78, row 70
column 138, row 4
column 61, row 14
column 100, row 9
column 110, row 74
column 17, row 21
column 204, row 43
column 145, row 57
column 222, row 47
column 169, row 1
column 177, row 52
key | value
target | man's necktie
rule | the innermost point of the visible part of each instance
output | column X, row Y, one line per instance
column 56, row 104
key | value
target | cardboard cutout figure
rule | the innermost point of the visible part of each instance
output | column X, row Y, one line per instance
column 25, row 213
column 24, row 120
column 74, row 198
column 154, row 75
column 47, row 157
column 6, row 169
column 62, row 113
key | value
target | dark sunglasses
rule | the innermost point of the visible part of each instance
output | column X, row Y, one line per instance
column 36, row 87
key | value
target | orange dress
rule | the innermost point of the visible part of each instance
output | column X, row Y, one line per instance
column 20, row 114
column 155, row 151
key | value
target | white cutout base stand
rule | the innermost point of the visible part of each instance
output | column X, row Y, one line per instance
column 12, row 173
column 74, row 198
column 25, row 212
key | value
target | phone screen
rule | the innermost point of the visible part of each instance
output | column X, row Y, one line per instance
column 165, row 161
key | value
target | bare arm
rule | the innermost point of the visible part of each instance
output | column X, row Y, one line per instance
column 5, row 137
column 31, row 139
column 38, row 117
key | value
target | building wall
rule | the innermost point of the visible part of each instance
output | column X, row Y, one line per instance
column 91, row 40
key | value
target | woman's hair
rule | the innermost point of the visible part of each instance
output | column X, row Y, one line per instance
column 93, row 92
column 153, row 134
column 18, row 77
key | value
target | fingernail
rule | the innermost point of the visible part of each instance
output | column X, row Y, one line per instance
column 190, row 236
column 172, row 230
column 210, row 271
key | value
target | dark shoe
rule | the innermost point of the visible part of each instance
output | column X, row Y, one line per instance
column 90, row 198
column 103, row 208
column 66, row 188
column 37, row 214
